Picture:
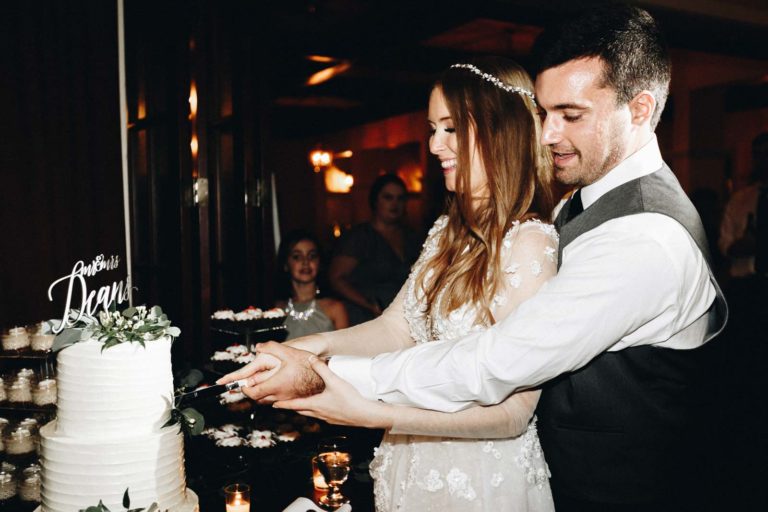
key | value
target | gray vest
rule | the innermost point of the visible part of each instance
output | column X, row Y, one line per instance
column 617, row 430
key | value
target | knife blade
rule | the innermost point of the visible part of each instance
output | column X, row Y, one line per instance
column 215, row 390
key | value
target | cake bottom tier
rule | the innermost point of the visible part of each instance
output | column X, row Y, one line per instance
column 78, row 473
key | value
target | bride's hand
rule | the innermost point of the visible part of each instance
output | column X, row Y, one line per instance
column 257, row 371
column 340, row 403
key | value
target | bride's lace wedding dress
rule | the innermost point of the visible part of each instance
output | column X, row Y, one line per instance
column 493, row 460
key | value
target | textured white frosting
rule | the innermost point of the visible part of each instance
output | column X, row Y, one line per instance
column 108, row 436
column 124, row 390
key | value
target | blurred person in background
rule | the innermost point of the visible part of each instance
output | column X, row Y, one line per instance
column 740, row 240
column 307, row 312
column 372, row 260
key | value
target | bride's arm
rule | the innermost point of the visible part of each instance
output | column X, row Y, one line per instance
column 526, row 266
column 385, row 333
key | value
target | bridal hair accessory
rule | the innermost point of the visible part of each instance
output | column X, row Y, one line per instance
column 496, row 81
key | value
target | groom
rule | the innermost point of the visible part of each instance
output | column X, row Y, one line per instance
column 615, row 339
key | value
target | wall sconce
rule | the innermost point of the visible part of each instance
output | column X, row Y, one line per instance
column 338, row 181
column 320, row 158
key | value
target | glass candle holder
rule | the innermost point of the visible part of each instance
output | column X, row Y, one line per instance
column 317, row 477
column 237, row 498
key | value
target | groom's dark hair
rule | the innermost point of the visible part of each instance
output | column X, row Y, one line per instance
column 627, row 40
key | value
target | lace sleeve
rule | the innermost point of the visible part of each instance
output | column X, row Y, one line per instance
column 528, row 260
column 387, row 333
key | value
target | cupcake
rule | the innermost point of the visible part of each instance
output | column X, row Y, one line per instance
column 40, row 339
column 15, row 339
column 20, row 393
column 20, row 445
column 224, row 361
column 44, row 394
column 7, row 490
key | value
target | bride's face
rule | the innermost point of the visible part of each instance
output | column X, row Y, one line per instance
column 443, row 144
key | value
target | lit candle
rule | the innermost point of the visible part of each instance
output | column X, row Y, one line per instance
column 239, row 504
column 238, row 498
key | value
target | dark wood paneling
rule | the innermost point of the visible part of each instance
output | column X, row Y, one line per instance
column 61, row 197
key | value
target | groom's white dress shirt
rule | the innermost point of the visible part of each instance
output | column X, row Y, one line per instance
column 634, row 280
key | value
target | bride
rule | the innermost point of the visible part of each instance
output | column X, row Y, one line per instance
column 489, row 252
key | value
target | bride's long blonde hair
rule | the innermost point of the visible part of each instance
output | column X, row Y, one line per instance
column 506, row 131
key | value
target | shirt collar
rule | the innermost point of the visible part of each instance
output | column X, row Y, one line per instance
column 645, row 160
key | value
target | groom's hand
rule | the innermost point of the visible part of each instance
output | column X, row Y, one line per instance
column 293, row 378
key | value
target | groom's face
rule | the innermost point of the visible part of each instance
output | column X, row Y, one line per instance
column 582, row 124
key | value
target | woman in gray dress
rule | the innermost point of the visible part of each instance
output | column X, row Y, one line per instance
column 306, row 311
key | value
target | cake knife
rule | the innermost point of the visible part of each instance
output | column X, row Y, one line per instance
column 215, row 390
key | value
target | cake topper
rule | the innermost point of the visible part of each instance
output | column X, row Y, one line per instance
column 105, row 297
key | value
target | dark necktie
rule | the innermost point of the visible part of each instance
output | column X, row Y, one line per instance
column 761, row 224
column 575, row 206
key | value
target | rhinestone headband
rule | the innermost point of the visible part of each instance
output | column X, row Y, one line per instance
column 496, row 81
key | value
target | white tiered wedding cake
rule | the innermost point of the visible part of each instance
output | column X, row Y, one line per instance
column 109, row 434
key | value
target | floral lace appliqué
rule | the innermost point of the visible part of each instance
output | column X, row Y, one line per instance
column 531, row 451
column 413, row 472
column 432, row 482
column 459, row 485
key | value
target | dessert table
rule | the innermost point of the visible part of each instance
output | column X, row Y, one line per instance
column 279, row 470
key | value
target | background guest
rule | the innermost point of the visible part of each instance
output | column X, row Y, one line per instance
column 373, row 259
column 307, row 313
column 739, row 228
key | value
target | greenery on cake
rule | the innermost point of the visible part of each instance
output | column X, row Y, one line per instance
column 126, row 505
column 191, row 421
column 133, row 325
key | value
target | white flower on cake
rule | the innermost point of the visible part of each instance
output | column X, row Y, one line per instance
column 133, row 325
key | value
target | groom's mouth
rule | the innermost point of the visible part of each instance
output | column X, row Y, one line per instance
column 562, row 159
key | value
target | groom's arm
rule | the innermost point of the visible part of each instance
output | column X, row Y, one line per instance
column 617, row 287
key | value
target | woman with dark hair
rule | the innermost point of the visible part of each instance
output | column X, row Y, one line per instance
column 372, row 260
column 306, row 312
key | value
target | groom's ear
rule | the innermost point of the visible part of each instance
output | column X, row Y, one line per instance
column 641, row 107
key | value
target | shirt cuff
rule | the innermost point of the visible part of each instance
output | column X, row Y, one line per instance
column 356, row 371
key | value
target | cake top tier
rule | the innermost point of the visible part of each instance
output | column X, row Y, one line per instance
column 123, row 391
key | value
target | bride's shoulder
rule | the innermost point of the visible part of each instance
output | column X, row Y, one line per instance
column 536, row 226
column 438, row 226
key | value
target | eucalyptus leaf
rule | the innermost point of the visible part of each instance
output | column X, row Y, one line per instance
column 65, row 338
column 193, row 421
column 49, row 326
column 128, row 313
column 192, row 379
column 173, row 331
